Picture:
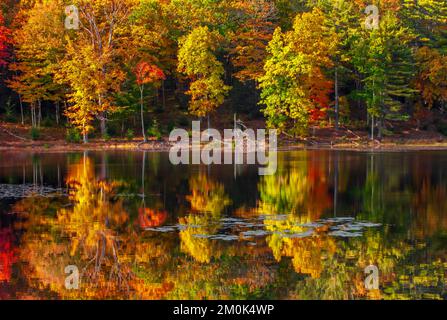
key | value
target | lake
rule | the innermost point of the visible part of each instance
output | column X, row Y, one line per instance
column 129, row 225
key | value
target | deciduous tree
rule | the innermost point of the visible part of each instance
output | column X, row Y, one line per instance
column 197, row 60
column 249, row 41
column 39, row 48
column 103, row 25
column 4, row 41
column 431, row 80
column 146, row 73
column 294, row 85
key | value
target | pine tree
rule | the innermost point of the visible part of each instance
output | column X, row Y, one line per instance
column 427, row 20
column 342, row 18
column 385, row 60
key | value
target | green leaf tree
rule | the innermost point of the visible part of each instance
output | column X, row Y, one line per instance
column 197, row 60
column 294, row 87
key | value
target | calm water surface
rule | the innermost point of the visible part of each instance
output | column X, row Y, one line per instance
column 137, row 227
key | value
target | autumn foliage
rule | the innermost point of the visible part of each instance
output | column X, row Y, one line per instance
column 8, row 254
column 4, row 41
column 148, row 73
column 298, row 64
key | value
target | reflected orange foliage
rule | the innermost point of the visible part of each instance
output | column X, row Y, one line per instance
column 7, row 254
column 95, row 235
column 430, row 205
column 149, row 218
column 319, row 198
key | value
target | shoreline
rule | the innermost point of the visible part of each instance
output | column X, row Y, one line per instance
column 164, row 146
column 16, row 138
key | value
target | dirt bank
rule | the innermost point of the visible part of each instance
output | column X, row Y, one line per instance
column 15, row 137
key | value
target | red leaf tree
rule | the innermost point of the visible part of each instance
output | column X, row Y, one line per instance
column 4, row 41
column 146, row 73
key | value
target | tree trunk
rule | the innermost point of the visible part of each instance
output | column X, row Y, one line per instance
column 102, row 116
column 336, row 98
column 142, row 113
column 39, row 119
column 163, row 94
column 103, row 125
column 57, row 112
column 380, row 128
column 21, row 109
column 33, row 115
column 32, row 118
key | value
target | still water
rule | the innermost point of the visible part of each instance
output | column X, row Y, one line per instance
column 137, row 227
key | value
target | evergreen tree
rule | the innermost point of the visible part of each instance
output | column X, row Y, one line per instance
column 385, row 60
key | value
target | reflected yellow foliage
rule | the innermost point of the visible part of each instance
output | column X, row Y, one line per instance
column 207, row 195
column 302, row 189
column 91, row 221
column 208, row 200
column 300, row 192
column 107, row 230
column 192, row 243
column 93, row 235
column 307, row 252
column 283, row 193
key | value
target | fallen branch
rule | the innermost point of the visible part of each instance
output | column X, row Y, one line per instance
column 379, row 144
column 14, row 135
column 353, row 133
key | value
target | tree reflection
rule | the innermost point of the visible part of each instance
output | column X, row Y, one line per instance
column 206, row 195
column 208, row 201
column 132, row 240
column 149, row 217
column 94, row 234
column 300, row 192
column 92, row 225
column 7, row 253
column 300, row 187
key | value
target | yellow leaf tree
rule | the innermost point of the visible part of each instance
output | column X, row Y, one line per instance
column 197, row 60
column 95, row 53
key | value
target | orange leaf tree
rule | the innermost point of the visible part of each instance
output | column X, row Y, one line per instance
column 39, row 47
column 97, row 47
column 250, row 40
column 432, row 78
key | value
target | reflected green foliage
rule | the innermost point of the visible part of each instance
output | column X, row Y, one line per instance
column 140, row 228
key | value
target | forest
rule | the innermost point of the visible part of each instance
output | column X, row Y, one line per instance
column 139, row 68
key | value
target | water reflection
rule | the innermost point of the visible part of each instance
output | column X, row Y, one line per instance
column 139, row 228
